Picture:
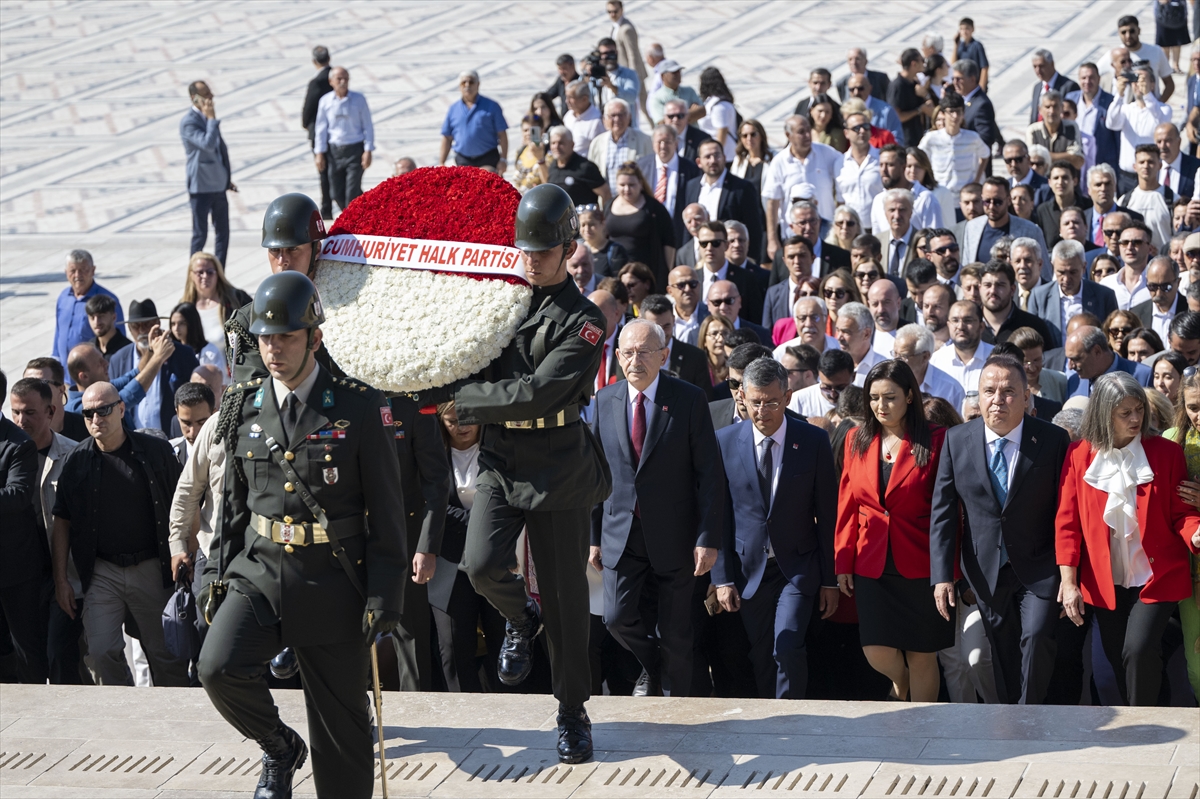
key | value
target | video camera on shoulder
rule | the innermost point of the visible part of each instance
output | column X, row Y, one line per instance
column 592, row 66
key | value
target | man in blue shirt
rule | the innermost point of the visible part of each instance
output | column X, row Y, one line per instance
column 882, row 115
column 344, row 130
column 617, row 81
column 475, row 128
column 71, row 322
column 86, row 366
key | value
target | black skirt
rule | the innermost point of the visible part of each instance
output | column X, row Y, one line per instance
column 900, row 613
column 1171, row 37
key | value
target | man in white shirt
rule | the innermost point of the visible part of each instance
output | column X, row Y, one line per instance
column 1144, row 54
column 583, row 118
column 859, row 180
column 884, row 302
column 1149, row 197
column 964, row 360
column 914, row 345
column 810, row 315
column 1136, row 117
column 926, row 210
column 1129, row 282
column 804, row 161
column 855, row 330
column 835, row 373
column 958, row 156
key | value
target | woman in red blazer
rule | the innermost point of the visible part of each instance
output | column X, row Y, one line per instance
column 1124, row 533
column 881, row 547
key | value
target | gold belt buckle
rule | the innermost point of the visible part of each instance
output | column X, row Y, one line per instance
column 524, row 424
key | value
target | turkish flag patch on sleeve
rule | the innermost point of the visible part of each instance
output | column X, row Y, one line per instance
column 385, row 413
column 591, row 334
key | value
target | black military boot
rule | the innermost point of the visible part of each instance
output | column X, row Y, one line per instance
column 574, row 734
column 516, row 657
column 284, row 665
column 284, row 752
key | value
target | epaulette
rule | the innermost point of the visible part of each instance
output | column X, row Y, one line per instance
column 351, row 383
column 245, row 386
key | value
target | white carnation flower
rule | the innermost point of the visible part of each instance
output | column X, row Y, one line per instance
column 411, row 329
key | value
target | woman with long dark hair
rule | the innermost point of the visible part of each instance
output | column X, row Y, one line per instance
column 187, row 329
column 752, row 153
column 720, row 119
column 825, row 117
column 881, row 549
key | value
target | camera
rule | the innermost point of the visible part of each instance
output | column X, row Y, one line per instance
column 1129, row 75
column 592, row 66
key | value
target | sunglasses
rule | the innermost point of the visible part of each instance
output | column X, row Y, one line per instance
column 1154, row 288
column 103, row 410
column 945, row 250
column 1190, row 253
column 872, row 275
column 1016, row 160
column 685, row 284
column 1133, row 243
column 856, row 89
column 1120, row 331
column 675, row 116
column 1188, row 372
column 861, row 128
column 1115, row 231
column 834, row 294
column 711, row 243
column 719, row 301
column 734, row 383
column 833, row 392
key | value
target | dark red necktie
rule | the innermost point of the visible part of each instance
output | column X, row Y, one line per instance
column 638, row 433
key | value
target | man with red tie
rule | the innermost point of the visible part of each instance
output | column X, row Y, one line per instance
column 1048, row 78
column 663, row 518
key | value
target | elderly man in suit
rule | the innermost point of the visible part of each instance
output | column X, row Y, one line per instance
column 1069, row 293
column 1178, row 170
column 1166, row 301
column 629, row 55
column 982, row 232
column 663, row 518
column 684, row 361
column 208, row 170
column 725, row 196
column 776, row 559
column 671, row 175
column 1089, row 355
column 1048, row 80
column 803, row 220
column 856, row 59
column 896, row 239
column 994, row 499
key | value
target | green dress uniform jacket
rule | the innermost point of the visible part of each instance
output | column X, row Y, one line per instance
column 549, row 366
column 343, row 449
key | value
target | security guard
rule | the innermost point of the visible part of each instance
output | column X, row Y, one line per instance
column 539, row 467
column 311, row 457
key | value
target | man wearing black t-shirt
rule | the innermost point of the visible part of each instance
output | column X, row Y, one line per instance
column 579, row 177
column 902, row 96
column 111, row 517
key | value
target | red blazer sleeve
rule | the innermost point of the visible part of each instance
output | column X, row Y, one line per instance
column 845, row 539
column 1068, row 539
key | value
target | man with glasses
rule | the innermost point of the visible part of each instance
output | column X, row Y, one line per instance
column 110, row 517
column 711, row 240
column 800, row 361
column 623, row 142
column 1129, row 283
column 683, row 287
column 475, row 129
column 859, row 181
column 835, row 373
column 943, row 253
column 684, row 361
column 914, row 344
column 1162, row 282
column 964, row 360
column 1089, row 356
column 1142, row 53
column 69, row 424
column 1191, row 261
column 1069, row 293
column 662, row 521
column 728, row 409
column 1185, row 336
column 981, row 233
column 883, row 116
column 775, row 563
column 809, row 318
column 675, row 114
column 724, row 299
column 1020, row 173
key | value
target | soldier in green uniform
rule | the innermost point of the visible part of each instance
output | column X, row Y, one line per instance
column 539, row 467
column 312, row 455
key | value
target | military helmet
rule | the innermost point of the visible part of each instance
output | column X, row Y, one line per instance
column 546, row 218
column 292, row 220
column 284, row 302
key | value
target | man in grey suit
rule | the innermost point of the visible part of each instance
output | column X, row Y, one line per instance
column 208, row 170
column 1070, row 293
column 663, row 519
column 982, row 232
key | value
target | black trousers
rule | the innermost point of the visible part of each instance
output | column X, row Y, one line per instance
column 216, row 205
column 1020, row 627
column 1131, row 636
column 414, row 655
column 558, row 541
column 23, row 621
column 1066, row 683
column 776, row 620
column 344, row 167
column 458, row 636
column 62, row 644
column 233, row 666
column 667, row 649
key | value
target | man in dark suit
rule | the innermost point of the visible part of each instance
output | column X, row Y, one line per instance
column 727, row 408
column 1061, row 192
column 675, row 114
column 803, row 220
column 820, row 80
column 980, row 115
column 25, row 565
column 688, row 253
column 657, row 436
column 425, row 482
column 1162, row 281
column 1102, row 189
column 776, row 558
column 209, row 174
column 684, row 361
column 995, row 498
column 736, row 198
column 714, row 268
column 671, row 175
column 798, row 258
column 1020, row 171
column 1091, row 98
column 1178, row 171
column 1047, row 79
column 1069, row 291
column 317, row 88
column 724, row 299
column 856, row 58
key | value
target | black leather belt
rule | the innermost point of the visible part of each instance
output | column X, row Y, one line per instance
column 125, row 561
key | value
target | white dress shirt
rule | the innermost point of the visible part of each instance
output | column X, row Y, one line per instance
column 584, row 128
column 1161, row 322
column 1126, row 299
column 1136, row 124
column 1168, row 175
column 686, row 330
column 343, row 121
column 965, row 372
column 810, row 402
column 820, row 168
column 673, row 187
column 939, row 384
column 831, row 343
column 1069, row 306
column 860, row 183
column 1118, row 473
column 1086, row 119
column 927, row 211
column 710, row 194
column 708, row 278
column 647, row 405
column 1153, row 206
column 779, row 437
column 869, row 360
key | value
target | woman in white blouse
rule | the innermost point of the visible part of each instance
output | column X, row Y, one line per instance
column 720, row 117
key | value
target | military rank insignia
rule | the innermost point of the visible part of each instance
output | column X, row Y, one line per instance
column 327, row 398
column 258, row 397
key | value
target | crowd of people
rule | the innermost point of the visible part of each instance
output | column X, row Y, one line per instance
column 935, row 430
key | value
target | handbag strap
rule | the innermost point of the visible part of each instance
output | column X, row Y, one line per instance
column 306, row 496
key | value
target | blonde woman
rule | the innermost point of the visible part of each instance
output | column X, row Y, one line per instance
column 214, row 297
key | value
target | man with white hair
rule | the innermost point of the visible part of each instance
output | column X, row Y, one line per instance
column 855, row 330
column 671, row 174
column 622, row 143
column 914, row 345
column 1025, row 255
column 582, row 117
column 1070, row 294
column 1048, row 79
column 856, row 59
column 804, row 161
column 810, row 315
column 898, row 249
column 475, row 129
column 931, row 44
column 676, row 114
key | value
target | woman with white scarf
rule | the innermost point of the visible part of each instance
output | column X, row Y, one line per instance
column 1124, row 533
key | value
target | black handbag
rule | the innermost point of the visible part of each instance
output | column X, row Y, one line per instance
column 180, row 633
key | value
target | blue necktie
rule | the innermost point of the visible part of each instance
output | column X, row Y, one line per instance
column 999, row 474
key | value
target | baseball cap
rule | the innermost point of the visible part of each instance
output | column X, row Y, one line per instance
column 667, row 65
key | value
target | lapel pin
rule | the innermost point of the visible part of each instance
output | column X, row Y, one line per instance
column 1033, row 439
column 795, row 446
column 664, row 408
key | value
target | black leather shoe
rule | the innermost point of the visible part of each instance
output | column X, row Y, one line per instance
column 574, row 734
column 516, row 655
column 284, row 752
column 284, row 665
column 648, row 685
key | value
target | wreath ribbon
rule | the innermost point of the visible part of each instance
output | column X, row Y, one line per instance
column 480, row 260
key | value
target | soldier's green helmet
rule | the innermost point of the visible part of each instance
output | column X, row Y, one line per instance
column 546, row 218
column 292, row 220
column 284, row 302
